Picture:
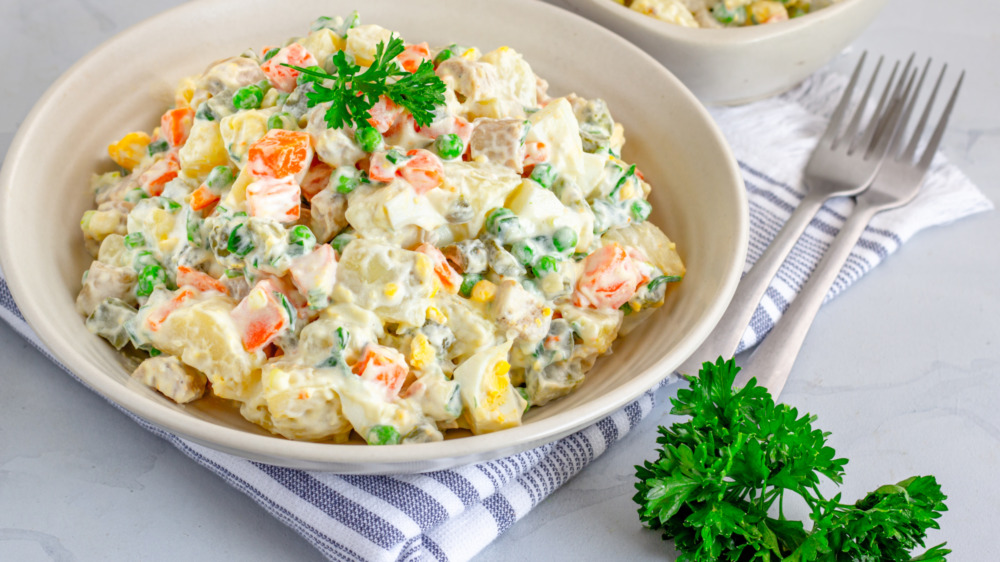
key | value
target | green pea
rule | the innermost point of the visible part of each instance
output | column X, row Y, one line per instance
column 306, row 77
column 220, row 177
column 157, row 147
column 341, row 241
column 504, row 224
column 143, row 259
column 345, row 181
column 204, row 112
column 369, row 139
column 640, row 210
column 150, row 276
column 302, row 236
column 545, row 266
column 469, row 281
column 135, row 240
column 626, row 308
column 248, row 97
column 523, row 252
column 449, row 146
column 544, row 174
column 153, row 352
column 278, row 121
column 383, row 435
column 564, row 239
column 240, row 242
column 169, row 204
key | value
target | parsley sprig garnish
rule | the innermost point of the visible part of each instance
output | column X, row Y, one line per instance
column 719, row 484
column 352, row 95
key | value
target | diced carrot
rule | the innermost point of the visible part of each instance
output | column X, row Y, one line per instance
column 203, row 198
column 384, row 113
column 176, row 124
column 316, row 270
column 423, row 170
column 283, row 77
column 260, row 316
column 610, row 278
column 199, row 280
column 277, row 199
column 281, row 153
column 450, row 279
column 157, row 317
column 161, row 172
column 413, row 55
column 316, row 179
column 384, row 365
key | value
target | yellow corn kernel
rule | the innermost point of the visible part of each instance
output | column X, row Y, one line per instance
column 503, row 49
column 499, row 381
column 421, row 352
column 636, row 306
column 547, row 311
column 484, row 291
column 471, row 54
column 434, row 313
column 184, row 92
column 129, row 150
column 766, row 11
column 391, row 289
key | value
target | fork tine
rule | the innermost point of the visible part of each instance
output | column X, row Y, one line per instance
column 906, row 104
column 878, row 118
column 852, row 128
column 911, row 149
column 834, row 125
column 932, row 145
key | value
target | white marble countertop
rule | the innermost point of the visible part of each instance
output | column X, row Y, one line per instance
column 903, row 368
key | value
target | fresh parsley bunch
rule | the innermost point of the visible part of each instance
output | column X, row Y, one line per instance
column 353, row 94
column 718, row 486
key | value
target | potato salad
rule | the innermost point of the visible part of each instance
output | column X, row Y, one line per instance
column 724, row 13
column 349, row 234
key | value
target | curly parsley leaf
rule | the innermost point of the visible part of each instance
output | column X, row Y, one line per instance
column 718, row 486
column 352, row 93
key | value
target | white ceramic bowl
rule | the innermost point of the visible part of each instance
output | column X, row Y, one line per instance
column 126, row 83
column 738, row 65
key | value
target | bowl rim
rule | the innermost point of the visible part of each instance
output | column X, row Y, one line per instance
column 720, row 37
column 335, row 457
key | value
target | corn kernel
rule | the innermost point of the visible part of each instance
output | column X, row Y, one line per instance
column 636, row 306
column 435, row 314
column 391, row 289
column 547, row 311
column 129, row 150
column 484, row 291
column 471, row 54
column 421, row 352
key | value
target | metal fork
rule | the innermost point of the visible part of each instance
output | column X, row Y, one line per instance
column 842, row 164
column 896, row 184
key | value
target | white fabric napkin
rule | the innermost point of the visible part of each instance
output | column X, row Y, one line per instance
column 452, row 514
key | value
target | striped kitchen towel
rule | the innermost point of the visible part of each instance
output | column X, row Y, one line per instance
column 453, row 514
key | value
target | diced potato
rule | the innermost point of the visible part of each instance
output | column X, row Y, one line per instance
column 129, row 150
column 436, row 396
column 541, row 209
column 519, row 312
column 240, row 130
column 173, row 379
column 491, row 401
column 394, row 283
column 389, row 213
column 556, row 126
column 516, row 87
column 303, row 402
column 203, row 150
column 482, row 186
column 205, row 337
column 469, row 319
column 323, row 43
column 363, row 40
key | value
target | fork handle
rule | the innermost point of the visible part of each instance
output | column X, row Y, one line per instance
column 772, row 361
column 726, row 336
